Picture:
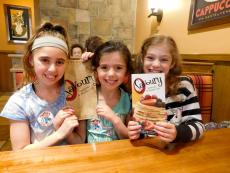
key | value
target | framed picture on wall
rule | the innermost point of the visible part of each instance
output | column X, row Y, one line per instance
column 206, row 13
column 18, row 23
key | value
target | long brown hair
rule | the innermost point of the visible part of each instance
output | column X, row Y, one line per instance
column 172, row 79
column 92, row 43
column 47, row 29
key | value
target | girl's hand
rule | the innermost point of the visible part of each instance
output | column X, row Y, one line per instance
column 166, row 131
column 134, row 129
column 67, row 126
column 105, row 111
column 61, row 116
column 86, row 56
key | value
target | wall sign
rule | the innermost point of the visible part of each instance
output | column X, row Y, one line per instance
column 205, row 13
column 18, row 23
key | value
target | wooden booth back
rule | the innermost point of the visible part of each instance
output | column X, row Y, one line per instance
column 204, row 86
column 202, row 75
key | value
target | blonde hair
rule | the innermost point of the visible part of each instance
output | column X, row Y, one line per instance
column 172, row 80
column 47, row 29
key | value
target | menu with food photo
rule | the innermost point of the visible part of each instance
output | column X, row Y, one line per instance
column 148, row 100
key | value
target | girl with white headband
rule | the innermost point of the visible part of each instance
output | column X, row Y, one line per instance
column 37, row 112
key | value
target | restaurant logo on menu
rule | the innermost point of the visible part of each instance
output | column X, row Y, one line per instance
column 140, row 84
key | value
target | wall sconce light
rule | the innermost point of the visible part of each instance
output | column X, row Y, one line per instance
column 154, row 5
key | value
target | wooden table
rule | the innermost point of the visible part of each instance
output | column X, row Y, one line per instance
column 210, row 154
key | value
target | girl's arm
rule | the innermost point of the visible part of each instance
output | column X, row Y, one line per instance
column 79, row 134
column 106, row 112
column 191, row 126
column 189, row 130
column 120, row 128
column 188, row 121
column 20, row 134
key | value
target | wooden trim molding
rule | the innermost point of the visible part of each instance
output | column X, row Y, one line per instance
column 8, row 52
column 195, row 67
column 206, row 57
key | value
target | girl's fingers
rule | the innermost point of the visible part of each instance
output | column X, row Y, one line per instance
column 65, row 115
column 68, row 109
column 166, row 131
column 135, row 128
column 163, row 134
column 160, row 129
column 134, row 137
column 73, row 121
column 164, row 127
column 162, row 124
column 86, row 56
column 134, row 134
column 133, row 123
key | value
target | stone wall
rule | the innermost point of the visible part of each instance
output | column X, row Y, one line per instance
column 109, row 19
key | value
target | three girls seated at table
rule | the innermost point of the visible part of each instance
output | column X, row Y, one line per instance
column 38, row 115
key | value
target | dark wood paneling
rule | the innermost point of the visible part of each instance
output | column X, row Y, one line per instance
column 206, row 57
column 6, row 77
column 197, row 67
column 221, row 94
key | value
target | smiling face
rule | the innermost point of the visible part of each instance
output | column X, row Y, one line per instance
column 111, row 71
column 49, row 65
column 157, row 59
column 77, row 52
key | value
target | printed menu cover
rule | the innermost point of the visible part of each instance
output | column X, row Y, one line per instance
column 148, row 99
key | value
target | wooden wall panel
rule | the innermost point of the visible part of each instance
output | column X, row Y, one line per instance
column 197, row 67
column 221, row 102
column 6, row 77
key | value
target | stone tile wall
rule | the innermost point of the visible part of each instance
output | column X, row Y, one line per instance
column 109, row 19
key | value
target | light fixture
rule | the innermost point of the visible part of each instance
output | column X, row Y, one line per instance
column 154, row 6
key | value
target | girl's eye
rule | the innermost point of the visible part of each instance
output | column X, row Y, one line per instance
column 119, row 67
column 60, row 62
column 164, row 60
column 44, row 60
column 149, row 58
column 103, row 67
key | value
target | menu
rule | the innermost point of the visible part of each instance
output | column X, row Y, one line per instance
column 148, row 100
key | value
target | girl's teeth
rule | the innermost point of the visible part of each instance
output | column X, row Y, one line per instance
column 50, row 76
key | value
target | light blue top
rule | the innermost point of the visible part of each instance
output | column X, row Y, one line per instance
column 25, row 105
column 100, row 130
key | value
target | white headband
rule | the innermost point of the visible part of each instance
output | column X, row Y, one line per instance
column 50, row 41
